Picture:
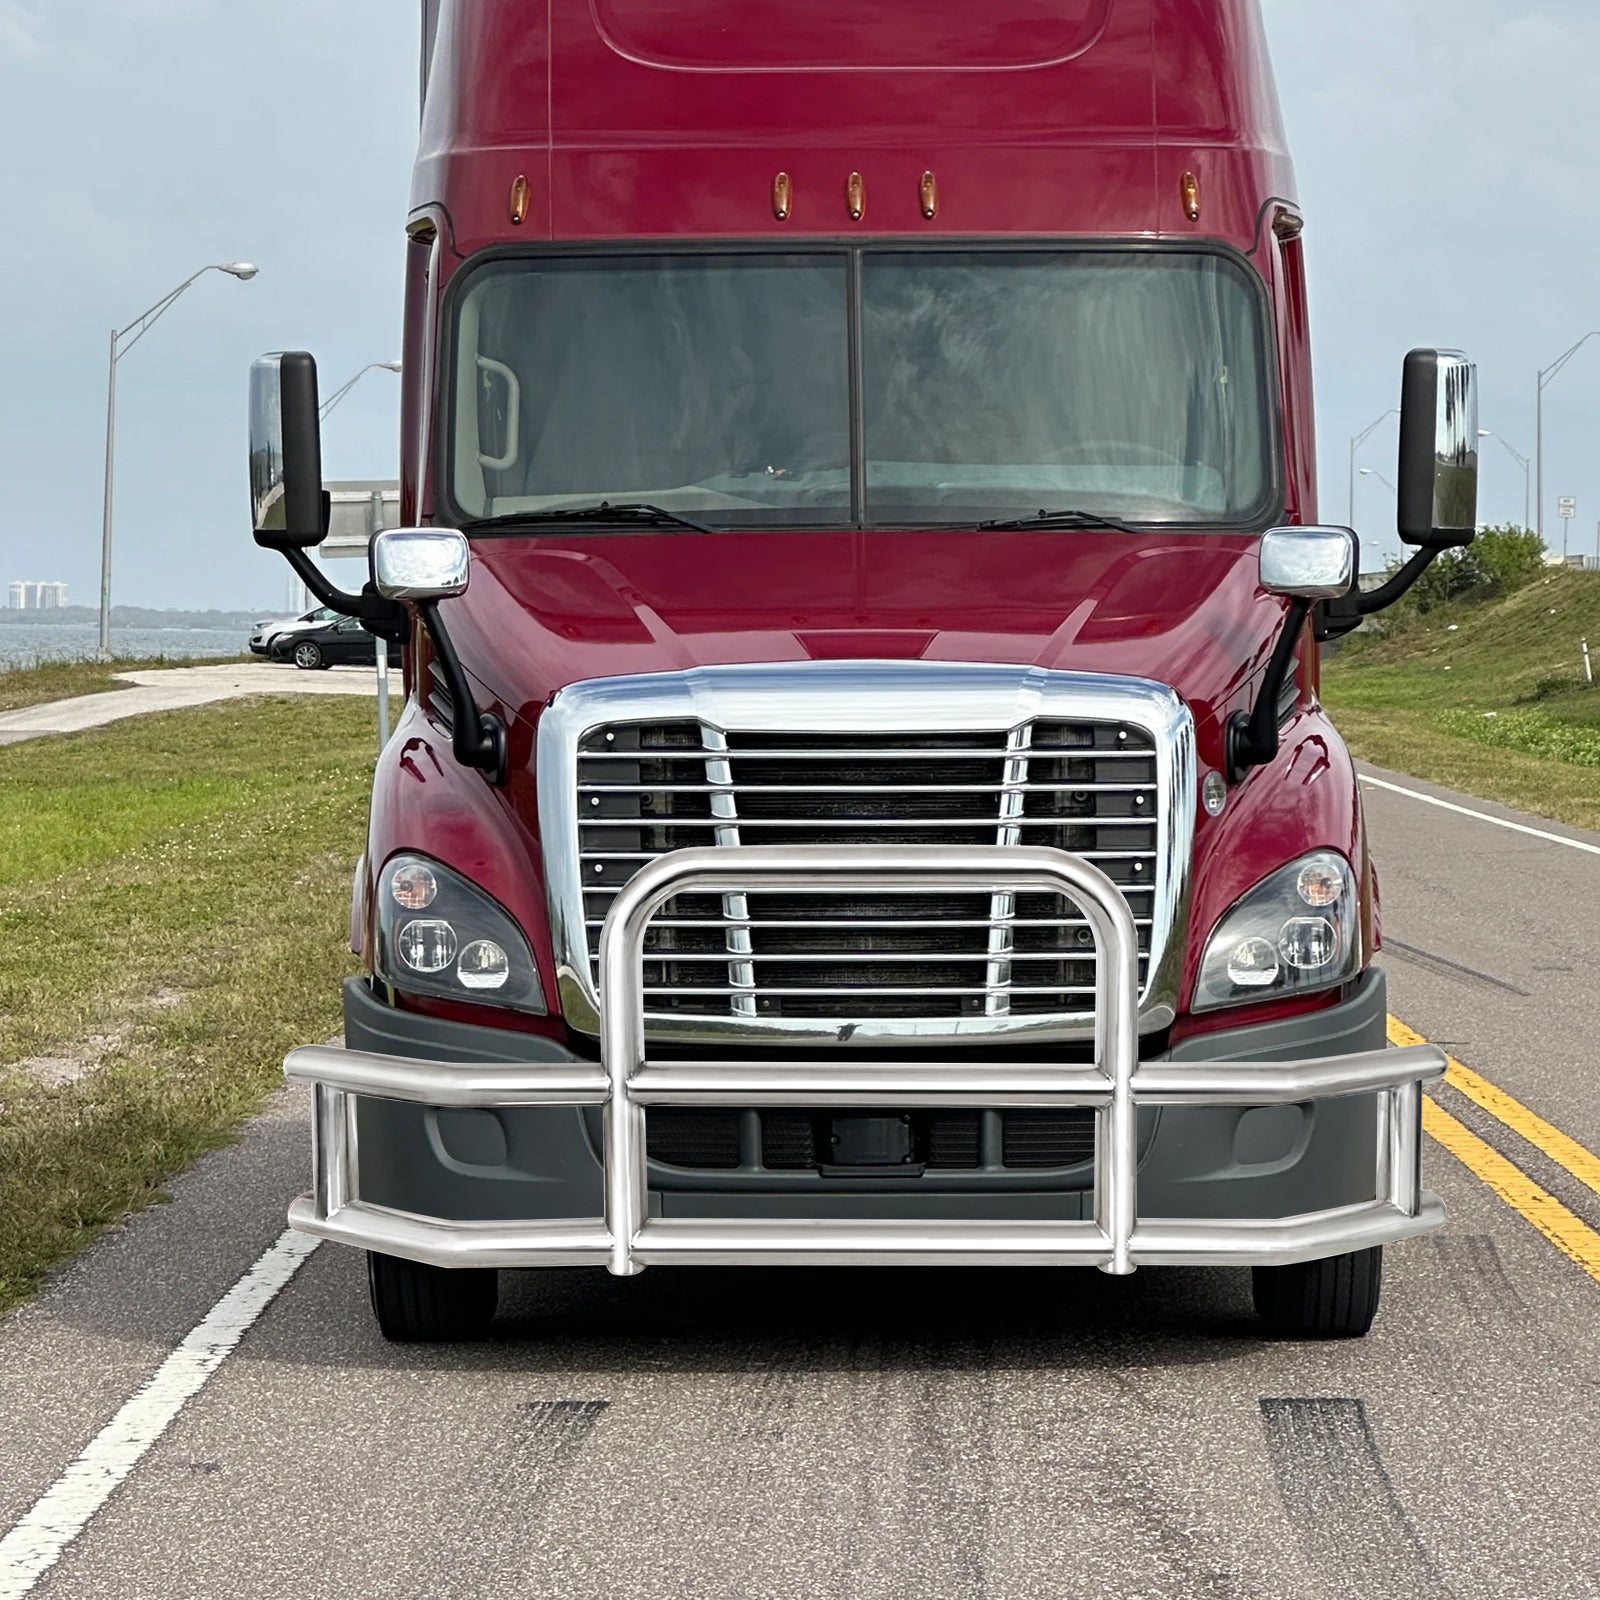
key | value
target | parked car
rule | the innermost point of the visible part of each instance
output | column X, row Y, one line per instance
column 343, row 641
column 275, row 627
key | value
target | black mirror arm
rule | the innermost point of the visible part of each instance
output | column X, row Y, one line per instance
column 478, row 737
column 1391, row 591
column 386, row 618
column 1252, row 736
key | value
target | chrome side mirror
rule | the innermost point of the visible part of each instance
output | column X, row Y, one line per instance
column 420, row 563
column 1308, row 563
column 1438, row 485
column 288, row 511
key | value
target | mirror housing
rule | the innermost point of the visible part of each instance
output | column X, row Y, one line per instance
column 289, row 510
column 420, row 563
column 1438, row 481
column 1310, row 563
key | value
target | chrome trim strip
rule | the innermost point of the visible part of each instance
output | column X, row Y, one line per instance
column 918, row 697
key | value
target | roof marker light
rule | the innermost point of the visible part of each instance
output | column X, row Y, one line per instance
column 520, row 197
column 782, row 195
column 1191, row 197
column 929, row 193
column 855, row 196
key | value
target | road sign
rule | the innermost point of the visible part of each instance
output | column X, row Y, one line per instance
column 1567, row 506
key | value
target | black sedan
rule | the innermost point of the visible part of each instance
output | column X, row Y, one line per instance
column 339, row 642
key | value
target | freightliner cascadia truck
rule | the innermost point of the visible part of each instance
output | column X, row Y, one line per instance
column 862, row 796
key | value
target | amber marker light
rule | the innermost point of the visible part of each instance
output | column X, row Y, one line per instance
column 520, row 196
column 1191, row 197
column 855, row 196
column 928, row 191
column 782, row 196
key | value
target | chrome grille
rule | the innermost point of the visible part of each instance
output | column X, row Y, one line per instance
column 1091, row 787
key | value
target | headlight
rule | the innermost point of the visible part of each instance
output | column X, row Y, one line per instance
column 440, row 935
column 1295, row 932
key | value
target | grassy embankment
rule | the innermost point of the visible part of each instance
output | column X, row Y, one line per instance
column 66, row 680
column 174, row 902
column 1488, row 698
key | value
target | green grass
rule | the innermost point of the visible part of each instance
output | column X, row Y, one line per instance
column 174, row 903
column 65, row 680
column 1490, row 699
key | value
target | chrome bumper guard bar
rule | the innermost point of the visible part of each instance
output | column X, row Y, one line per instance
column 627, row 1238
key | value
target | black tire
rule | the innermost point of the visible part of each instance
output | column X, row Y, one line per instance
column 308, row 657
column 1335, row 1298
column 418, row 1304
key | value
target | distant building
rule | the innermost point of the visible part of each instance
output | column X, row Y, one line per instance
column 28, row 594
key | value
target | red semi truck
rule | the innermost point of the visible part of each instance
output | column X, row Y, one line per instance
column 871, row 803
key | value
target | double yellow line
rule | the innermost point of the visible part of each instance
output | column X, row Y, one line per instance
column 1568, row 1232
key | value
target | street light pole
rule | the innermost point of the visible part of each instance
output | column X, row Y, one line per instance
column 1523, row 462
column 1545, row 379
column 241, row 270
column 1372, row 472
column 345, row 388
column 1355, row 444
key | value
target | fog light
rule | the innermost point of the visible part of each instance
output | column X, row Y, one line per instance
column 413, row 886
column 1307, row 943
column 483, row 965
column 1253, row 964
column 427, row 945
column 1320, row 884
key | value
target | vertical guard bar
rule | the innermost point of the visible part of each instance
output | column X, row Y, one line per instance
column 1404, row 1105
column 330, row 1149
column 903, row 868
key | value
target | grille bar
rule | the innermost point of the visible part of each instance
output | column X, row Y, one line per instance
column 950, row 753
column 1085, row 787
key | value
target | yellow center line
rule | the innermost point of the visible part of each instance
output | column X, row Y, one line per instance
column 1565, row 1151
column 1568, row 1233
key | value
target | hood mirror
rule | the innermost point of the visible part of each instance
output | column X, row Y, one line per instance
column 288, row 508
column 1438, row 487
column 1308, row 563
column 420, row 564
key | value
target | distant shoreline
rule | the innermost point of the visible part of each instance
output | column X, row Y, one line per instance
column 136, row 617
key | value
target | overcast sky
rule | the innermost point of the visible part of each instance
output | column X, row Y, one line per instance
column 1447, row 161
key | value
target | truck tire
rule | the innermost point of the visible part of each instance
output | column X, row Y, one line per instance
column 1335, row 1298
column 418, row 1304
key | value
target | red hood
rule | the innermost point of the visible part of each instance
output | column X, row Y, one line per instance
column 543, row 612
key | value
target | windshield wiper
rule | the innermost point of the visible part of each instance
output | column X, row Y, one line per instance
column 1060, row 519
column 636, row 513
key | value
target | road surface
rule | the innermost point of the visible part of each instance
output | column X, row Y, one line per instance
column 930, row 1434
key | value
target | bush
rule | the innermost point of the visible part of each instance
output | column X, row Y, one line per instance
column 1497, row 563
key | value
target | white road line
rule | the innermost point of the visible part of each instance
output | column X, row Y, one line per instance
column 35, row 1544
column 1483, row 816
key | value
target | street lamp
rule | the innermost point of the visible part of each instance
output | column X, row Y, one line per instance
column 237, row 269
column 1355, row 444
column 345, row 388
column 1545, row 379
column 1523, row 462
column 1372, row 472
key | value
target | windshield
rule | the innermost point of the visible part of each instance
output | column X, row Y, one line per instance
column 991, row 384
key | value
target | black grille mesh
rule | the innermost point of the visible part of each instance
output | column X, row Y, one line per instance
column 1086, row 787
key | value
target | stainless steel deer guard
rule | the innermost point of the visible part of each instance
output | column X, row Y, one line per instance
column 868, row 868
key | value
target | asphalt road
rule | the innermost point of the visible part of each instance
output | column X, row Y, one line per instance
column 874, row 1434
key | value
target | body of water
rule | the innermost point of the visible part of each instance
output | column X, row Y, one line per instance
column 22, row 645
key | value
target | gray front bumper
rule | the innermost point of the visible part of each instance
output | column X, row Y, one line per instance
column 1281, row 1143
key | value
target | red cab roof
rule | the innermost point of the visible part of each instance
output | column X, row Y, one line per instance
column 633, row 119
